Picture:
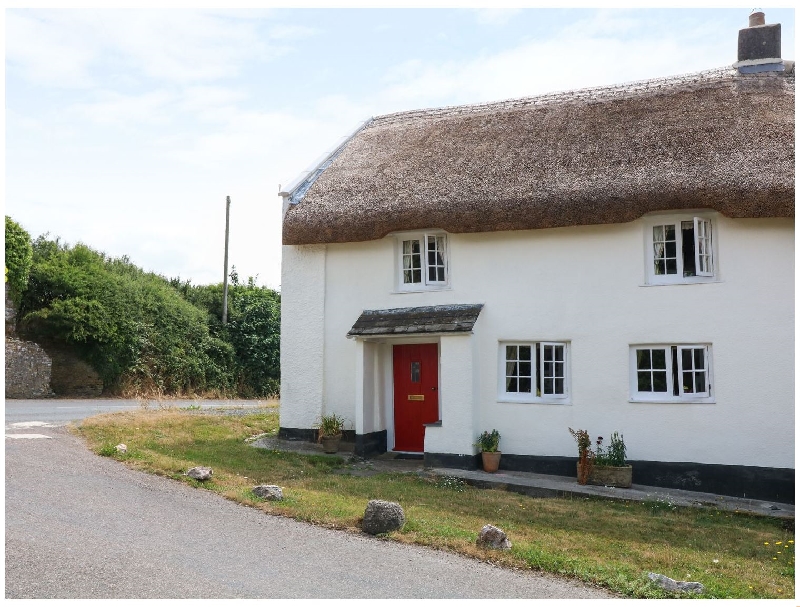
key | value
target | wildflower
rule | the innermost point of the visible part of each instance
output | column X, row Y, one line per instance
column 717, row 560
column 778, row 543
column 790, row 542
column 766, row 543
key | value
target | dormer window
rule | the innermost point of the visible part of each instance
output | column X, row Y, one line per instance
column 422, row 261
column 679, row 250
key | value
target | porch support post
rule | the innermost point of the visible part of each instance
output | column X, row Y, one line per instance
column 360, row 392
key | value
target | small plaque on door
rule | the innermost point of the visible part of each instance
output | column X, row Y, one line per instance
column 416, row 397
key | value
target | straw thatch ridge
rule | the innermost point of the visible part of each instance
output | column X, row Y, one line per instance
column 714, row 140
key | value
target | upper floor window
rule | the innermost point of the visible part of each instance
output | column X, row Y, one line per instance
column 671, row 373
column 423, row 261
column 679, row 249
column 534, row 372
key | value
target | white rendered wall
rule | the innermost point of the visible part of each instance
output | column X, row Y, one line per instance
column 585, row 285
column 302, row 327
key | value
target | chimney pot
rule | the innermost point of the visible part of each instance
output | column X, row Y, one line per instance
column 756, row 18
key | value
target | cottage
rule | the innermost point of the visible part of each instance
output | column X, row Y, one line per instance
column 616, row 258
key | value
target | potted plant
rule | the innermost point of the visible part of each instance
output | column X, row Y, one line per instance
column 602, row 466
column 609, row 467
column 585, row 454
column 489, row 444
column 330, row 432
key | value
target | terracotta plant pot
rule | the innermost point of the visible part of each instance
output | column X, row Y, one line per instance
column 330, row 444
column 611, row 476
column 491, row 460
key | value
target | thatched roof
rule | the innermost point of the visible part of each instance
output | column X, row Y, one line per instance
column 714, row 140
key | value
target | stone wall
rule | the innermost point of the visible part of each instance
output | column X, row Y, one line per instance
column 72, row 377
column 36, row 372
column 28, row 369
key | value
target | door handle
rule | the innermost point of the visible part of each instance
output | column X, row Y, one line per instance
column 433, row 388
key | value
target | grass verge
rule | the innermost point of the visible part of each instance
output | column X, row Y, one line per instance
column 612, row 544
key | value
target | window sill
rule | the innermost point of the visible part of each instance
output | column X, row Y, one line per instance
column 422, row 290
column 664, row 401
column 532, row 401
column 681, row 282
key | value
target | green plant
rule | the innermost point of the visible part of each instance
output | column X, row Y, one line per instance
column 489, row 442
column 614, row 455
column 330, row 425
column 19, row 256
column 585, row 454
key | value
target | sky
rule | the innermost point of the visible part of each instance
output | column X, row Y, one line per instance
column 127, row 129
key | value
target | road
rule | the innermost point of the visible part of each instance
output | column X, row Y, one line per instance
column 83, row 526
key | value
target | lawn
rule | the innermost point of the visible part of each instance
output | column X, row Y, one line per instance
column 611, row 544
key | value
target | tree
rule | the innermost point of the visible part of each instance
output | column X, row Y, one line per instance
column 19, row 257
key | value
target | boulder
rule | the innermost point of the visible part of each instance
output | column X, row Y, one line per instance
column 121, row 448
column 671, row 585
column 382, row 517
column 268, row 492
column 199, row 473
column 493, row 537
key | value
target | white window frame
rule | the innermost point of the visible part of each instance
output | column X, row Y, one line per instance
column 533, row 396
column 674, row 366
column 427, row 283
column 705, row 249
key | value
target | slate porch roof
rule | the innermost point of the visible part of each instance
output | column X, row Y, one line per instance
column 456, row 318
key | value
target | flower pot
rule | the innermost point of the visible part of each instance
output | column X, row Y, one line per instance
column 330, row 444
column 611, row 476
column 491, row 460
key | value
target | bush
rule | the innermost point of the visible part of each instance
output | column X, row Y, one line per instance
column 19, row 256
column 131, row 326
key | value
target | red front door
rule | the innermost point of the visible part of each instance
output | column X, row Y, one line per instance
column 416, row 394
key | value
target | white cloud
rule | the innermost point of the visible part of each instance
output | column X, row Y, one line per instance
column 495, row 16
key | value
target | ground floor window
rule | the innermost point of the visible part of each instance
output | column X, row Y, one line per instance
column 534, row 371
column 671, row 372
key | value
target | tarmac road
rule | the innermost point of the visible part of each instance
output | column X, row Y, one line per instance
column 83, row 526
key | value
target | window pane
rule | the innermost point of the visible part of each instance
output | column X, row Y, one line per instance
column 511, row 368
column 658, row 233
column 700, row 381
column 548, row 386
column 643, row 359
column 548, row 353
column 660, row 267
column 417, row 276
column 559, row 352
column 659, row 359
column 643, row 381
column 511, row 352
column 559, row 370
column 415, row 372
column 686, row 359
column 525, row 369
column 407, row 247
column 440, row 274
column 688, row 383
column 659, row 381
column 672, row 266
column 670, row 249
column 511, row 384
column 669, row 232
column 524, row 352
column 524, row 384
column 559, row 386
column 548, row 369
column 699, row 362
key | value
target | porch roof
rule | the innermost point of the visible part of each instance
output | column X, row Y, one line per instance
column 455, row 318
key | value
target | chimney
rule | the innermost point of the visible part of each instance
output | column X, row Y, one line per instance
column 759, row 46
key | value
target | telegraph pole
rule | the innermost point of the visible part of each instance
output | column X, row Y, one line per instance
column 225, row 280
